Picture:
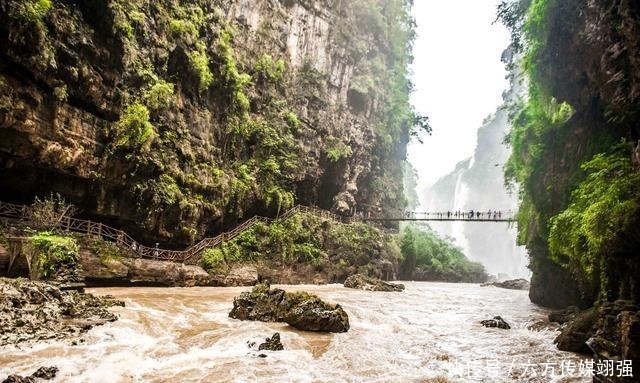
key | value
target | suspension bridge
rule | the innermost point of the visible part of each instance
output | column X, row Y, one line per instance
column 450, row 216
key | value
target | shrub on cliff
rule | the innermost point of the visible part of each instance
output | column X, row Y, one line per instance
column 134, row 130
column 213, row 261
column 603, row 210
column 30, row 11
column 56, row 255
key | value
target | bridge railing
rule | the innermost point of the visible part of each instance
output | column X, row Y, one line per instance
column 134, row 249
column 192, row 255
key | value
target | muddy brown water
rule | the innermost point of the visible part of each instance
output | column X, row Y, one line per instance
column 429, row 333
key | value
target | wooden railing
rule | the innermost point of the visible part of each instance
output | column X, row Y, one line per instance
column 134, row 249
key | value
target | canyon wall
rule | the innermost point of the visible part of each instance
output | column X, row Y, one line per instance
column 176, row 119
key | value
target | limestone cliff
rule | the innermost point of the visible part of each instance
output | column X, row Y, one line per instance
column 173, row 119
column 574, row 141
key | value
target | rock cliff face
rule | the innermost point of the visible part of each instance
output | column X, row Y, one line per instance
column 573, row 142
column 583, row 65
column 176, row 118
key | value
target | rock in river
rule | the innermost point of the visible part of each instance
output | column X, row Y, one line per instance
column 300, row 310
column 272, row 344
column 43, row 373
column 362, row 282
column 514, row 284
column 497, row 322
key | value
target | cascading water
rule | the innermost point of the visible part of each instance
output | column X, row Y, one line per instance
column 476, row 184
column 459, row 204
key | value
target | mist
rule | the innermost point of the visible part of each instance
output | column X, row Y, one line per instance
column 461, row 85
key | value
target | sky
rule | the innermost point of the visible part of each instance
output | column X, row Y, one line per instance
column 458, row 79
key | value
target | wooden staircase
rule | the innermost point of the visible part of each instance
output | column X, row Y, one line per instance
column 133, row 249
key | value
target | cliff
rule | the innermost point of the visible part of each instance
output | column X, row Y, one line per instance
column 172, row 119
column 573, row 155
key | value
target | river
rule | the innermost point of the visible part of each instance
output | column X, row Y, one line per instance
column 429, row 333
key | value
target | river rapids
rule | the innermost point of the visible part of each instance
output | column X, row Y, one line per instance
column 429, row 333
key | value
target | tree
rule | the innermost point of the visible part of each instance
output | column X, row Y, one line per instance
column 47, row 213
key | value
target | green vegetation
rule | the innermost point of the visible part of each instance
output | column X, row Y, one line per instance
column 200, row 63
column 602, row 206
column 335, row 248
column 159, row 95
column 343, row 249
column 429, row 257
column 269, row 69
column 108, row 252
column 134, row 130
column 578, row 187
column 33, row 11
column 292, row 119
column 213, row 261
column 54, row 252
column 338, row 151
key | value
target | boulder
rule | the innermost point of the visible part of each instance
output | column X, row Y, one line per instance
column 565, row 315
column 191, row 275
column 514, row 284
column 241, row 275
column 573, row 337
column 272, row 344
column 312, row 314
column 300, row 310
column 617, row 335
column 46, row 373
column 496, row 322
column 96, row 266
column 363, row 282
column 152, row 272
column 43, row 373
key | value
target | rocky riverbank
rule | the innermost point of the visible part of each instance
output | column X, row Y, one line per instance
column 608, row 331
column 35, row 311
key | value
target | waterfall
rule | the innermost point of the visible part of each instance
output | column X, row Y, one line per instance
column 460, row 197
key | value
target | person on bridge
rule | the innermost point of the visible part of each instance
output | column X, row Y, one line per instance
column 471, row 214
column 478, row 214
column 499, row 214
column 448, row 214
